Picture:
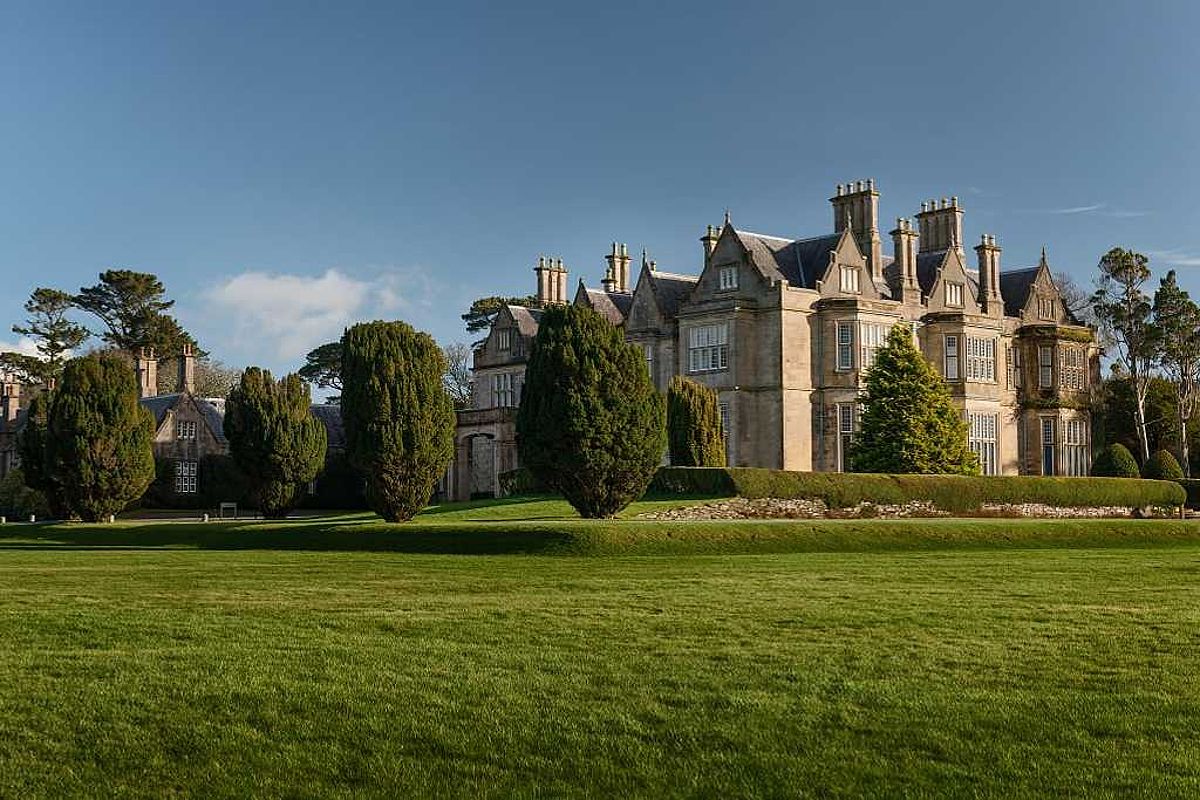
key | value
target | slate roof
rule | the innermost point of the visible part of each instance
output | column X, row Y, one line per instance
column 614, row 306
column 1014, row 288
column 526, row 318
column 159, row 405
column 331, row 418
column 801, row 262
column 928, row 266
column 671, row 290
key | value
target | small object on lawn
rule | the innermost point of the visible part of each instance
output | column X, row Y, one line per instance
column 33, row 517
column 3, row 520
column 112, row 518
column 206, row 517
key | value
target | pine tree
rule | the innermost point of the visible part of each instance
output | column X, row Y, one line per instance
column 133, row 308
column 98, row 438
column 591, row 424
column 908, row 422
column 399, row 419
column 53, row 334
column 694, row 425
column 274, row 438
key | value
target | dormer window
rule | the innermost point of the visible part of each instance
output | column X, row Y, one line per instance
column 954, row 294
column 850, row 280
column 504, row 338
column 185, row 430
column 1046, row 308
column 727, row 278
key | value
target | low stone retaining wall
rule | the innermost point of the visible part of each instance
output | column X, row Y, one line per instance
column 741, row 508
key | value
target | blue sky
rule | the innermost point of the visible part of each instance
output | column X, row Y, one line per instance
column 290, row 168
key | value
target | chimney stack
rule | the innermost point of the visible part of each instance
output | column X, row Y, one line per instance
column 543, row 271
column 187, row 370
column 560, row 282
column 147, row 372
column 10, row 400
column 610, row 274
column 988, row 253
column 856, row 206
column 941, row 225
column 709, row 240
column 904, row 241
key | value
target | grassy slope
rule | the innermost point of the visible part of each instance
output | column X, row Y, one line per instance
column 1008, row 671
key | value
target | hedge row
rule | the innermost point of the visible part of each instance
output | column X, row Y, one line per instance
column 1192, row 487
column 957, row 493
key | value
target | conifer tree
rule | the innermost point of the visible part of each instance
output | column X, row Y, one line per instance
column 1115, row 461
column 694, row 431
column 591, row 424
column 31, row 445
column 1177, row 328
column 399, row 419
column 98, row 438
column 908, row 422
column 274, row 438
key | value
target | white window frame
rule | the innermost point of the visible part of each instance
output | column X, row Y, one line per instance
column 648, row 352
column 871, row 336
column 186, row 477
column 506, row 390
column 1045, row 367
column 850, row 280
column 844, row 333
column 1076, row 459
column 981, row 359
column 1048, row 436
column 954, row 294
column 727, row 278
column 708, row 348
column 1017, row 367
column 1071, row 371
column 1046, row 308
column 504, row 338
column 950, row 356
column 185, row 430
column 847, row 426
column 982, row 430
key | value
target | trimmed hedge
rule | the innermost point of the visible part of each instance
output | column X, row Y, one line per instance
column 1163, row 466
column 1192, row 487
column 956, row 493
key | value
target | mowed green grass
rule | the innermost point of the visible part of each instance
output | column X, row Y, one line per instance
column 155, row 666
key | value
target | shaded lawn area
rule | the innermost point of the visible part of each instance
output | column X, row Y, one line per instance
column 998, row 672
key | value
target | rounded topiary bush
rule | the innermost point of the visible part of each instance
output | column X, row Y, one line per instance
column 1115, row 461
column 1163, row 466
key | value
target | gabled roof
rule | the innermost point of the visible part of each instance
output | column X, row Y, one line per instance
column 526, row 318
column 159, row 405
column 331, row 417
column 800, row 262
column 928, row 266
column 671, row 290
column 613, row 306
column 1014, row 288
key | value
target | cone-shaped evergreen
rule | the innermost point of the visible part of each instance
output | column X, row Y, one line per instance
column 399, row 419
column 591, row 424
column 98, row 438
column 274, row 438
column 1115, row 461
column 908, row 423
column 694, row 432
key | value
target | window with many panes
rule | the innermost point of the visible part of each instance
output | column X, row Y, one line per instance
column 950, row 366
column 981, row 359
column 1075, row 447
column 726, row 433
column 1071, row 372
column 1048, row 442
column 1017, row 367
column 870, row 335
column 648, row 351
column 506, row 390
column 981, row 437
column 504, row 338
column 727, row 278
column 954, row 294
column 1045, row 367
column 708, row 348
column 850, row 280
column 1047, row 308
column 185, row 477
column 845, row 415
column 845, row 345
column 185, row 430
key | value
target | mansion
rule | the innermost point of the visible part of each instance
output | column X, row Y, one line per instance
column 785, row 329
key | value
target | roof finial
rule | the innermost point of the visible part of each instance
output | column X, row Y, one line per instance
column 645, row 263
column 727, row 216
column 1043, row 263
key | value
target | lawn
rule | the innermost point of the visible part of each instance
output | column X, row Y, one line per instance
column 216, row 662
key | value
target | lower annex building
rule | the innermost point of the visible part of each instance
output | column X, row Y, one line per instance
column 785, row 329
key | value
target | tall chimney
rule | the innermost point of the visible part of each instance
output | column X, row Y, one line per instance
column 709, row 240
column 147, row 372
column 187, row 370
column 904, row 241
column 988, row 253
column 857, row 206
column 623, row 269
column 10, row 400
column 543, row 271
column 612, row 282
column 560, row 282
column 941, row 225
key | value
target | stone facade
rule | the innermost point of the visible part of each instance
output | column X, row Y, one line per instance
column 785, row 329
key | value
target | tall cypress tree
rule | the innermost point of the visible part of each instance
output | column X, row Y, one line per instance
column 98, row 438
column 399, row 419
column 694, row 424
column 274, row 438
column 908, row 421
column 591, row 424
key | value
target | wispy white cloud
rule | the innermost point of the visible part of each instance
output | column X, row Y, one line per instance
column 23, row 345
column 1099, row 209
column 1176, row 258
column 265, row 317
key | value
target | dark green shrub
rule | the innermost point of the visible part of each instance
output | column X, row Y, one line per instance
column 1192, row 487
column 17, row 500
column 339, row 486
column 952, row 493
column 274, row 439
column 98, row 438
column 520, row 481
column 1162, row 466
column 31, row 444
column 694, row 434
column 591, row 425
column 908, row 423
column 1115, row 461
column 399, row 419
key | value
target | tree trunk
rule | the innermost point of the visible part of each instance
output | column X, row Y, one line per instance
column 1183, row 447
column 1139, row 396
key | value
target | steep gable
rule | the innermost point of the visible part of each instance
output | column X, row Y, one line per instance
column 846, row 260
column 950, row 277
